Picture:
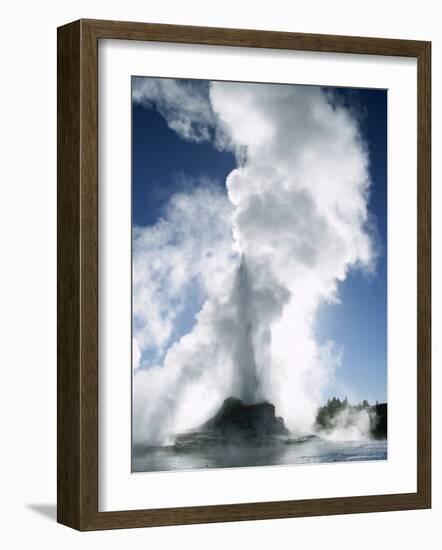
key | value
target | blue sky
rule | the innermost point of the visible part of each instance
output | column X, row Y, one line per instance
column 164, row 163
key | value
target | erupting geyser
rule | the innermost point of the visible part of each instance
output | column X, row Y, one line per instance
column 262, row 257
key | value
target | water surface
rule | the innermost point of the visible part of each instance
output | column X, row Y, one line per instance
column 316, row 451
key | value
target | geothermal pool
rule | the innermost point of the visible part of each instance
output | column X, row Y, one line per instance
column 314, row 451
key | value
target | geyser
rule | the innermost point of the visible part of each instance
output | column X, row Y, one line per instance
column 263, row 256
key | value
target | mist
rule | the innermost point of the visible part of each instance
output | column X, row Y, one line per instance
column 258, row 258
column 349, row 425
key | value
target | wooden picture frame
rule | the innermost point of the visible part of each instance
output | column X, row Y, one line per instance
column 77, row 461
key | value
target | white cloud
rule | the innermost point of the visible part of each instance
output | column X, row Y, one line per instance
column 187, row 251
column 299, row 199
column 136, row 354
column 183, row 103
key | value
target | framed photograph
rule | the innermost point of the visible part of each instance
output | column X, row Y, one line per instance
column 243, row 275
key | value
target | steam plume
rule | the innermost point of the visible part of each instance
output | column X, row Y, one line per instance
column 262, row 257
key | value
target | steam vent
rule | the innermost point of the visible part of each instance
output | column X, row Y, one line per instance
column 236, row 423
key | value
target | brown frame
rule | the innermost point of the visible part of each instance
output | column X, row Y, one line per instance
column 77, row 223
